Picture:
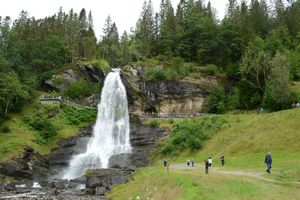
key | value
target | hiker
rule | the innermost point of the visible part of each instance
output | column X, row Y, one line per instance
column 165, row 163
column 188, row 163
column 193, row 163
column 206, row 166
column 209, row 161
column 268, row 161
column 261, row 110
column 222, row 160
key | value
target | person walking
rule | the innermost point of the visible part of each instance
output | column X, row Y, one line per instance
column 188, row 162
column 165, row 163
column 206, row 166
column 222, row 160
column 268, row 161
column 209, row 161
column 193, row 163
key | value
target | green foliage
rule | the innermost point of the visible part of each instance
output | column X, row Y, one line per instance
column 12, row 92
column 156, row 74
column 189, row 135
column 154, row 123
column 59, row 79
column 233, row 100
column 79, row 89
column 177, row 64
column 5, row 129
column 45, row 127
column 77, row 116
column 101, row 63
column 278, row 93
column 216, row 102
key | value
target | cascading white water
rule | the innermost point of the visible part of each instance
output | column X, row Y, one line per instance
column 110, row 133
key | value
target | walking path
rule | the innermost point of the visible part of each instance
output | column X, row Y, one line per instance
column 257, row 175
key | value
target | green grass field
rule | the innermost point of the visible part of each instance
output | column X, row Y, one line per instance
column 157, row 184
column 244, row 141
column 21, row 134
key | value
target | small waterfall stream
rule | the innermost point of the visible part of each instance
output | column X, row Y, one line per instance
column 110, row 133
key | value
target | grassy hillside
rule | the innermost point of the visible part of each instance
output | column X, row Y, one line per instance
column 244, row 140
column 157, row 184
column 16, row 133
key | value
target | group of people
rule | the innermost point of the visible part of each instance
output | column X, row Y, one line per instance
column 190, row 163
column 208, row 163
column 296, row 105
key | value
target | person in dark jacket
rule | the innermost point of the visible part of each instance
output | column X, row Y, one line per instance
column 268, row 161
column 222, row 160
column 206, row 166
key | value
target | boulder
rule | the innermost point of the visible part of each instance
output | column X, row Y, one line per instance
column 92, row 73
column 102, row 180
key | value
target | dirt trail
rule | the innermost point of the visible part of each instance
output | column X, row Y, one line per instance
column 218, row 170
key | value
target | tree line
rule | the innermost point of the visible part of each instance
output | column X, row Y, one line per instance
column 257, row 44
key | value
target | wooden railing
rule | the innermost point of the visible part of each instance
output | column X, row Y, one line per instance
column 169, row 115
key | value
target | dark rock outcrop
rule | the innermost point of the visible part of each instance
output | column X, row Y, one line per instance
column 88, row 72
column 92, row 73
column 178, row 96
column 60, row 157
column 143, row 140
column 99, row 181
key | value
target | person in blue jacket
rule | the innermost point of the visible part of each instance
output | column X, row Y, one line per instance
column 268, row 161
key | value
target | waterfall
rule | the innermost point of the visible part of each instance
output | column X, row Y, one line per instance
column 110, row 133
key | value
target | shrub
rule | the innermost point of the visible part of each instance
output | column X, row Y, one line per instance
column 79, row 89
column 190, row 135
column 46, row 129
column 101, row 63
column 233, row 100
column 154, row 122
column 156, row 74
column 216, row 102
column 177, row 65
column 5, row 129
column 78, row 115
column 59, row 79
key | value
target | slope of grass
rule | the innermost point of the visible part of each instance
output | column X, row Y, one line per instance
column 158, row 184
column 21, row 134
column 244, row 141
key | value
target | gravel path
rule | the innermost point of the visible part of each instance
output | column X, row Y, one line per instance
column 219, row 170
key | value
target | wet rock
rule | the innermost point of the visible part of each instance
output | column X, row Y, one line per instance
column 100, row 191
column 92, row 73
column 10, row 186
column 105, row 179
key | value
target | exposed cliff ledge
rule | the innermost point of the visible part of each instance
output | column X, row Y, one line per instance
column 179, row 96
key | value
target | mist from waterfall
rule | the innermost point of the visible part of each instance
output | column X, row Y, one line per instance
column 110, row 133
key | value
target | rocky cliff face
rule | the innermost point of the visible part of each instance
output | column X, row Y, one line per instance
column 67, row 77
column 165, row 97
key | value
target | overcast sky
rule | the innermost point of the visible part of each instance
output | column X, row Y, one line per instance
column 124, row 12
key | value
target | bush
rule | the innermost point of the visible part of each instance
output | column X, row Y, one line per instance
column 59, row 79
column 190, row 135
column 46, row 129
column 233, row 100
column 156, row 74
column 216, row 102
column 78, row 115
column 154, row 122
column 5, row 129
column 102, row 64
column 79, row 89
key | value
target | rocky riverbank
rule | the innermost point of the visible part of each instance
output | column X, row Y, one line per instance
column 38, row 177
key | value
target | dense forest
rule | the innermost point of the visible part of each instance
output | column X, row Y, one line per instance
column 257, row 45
